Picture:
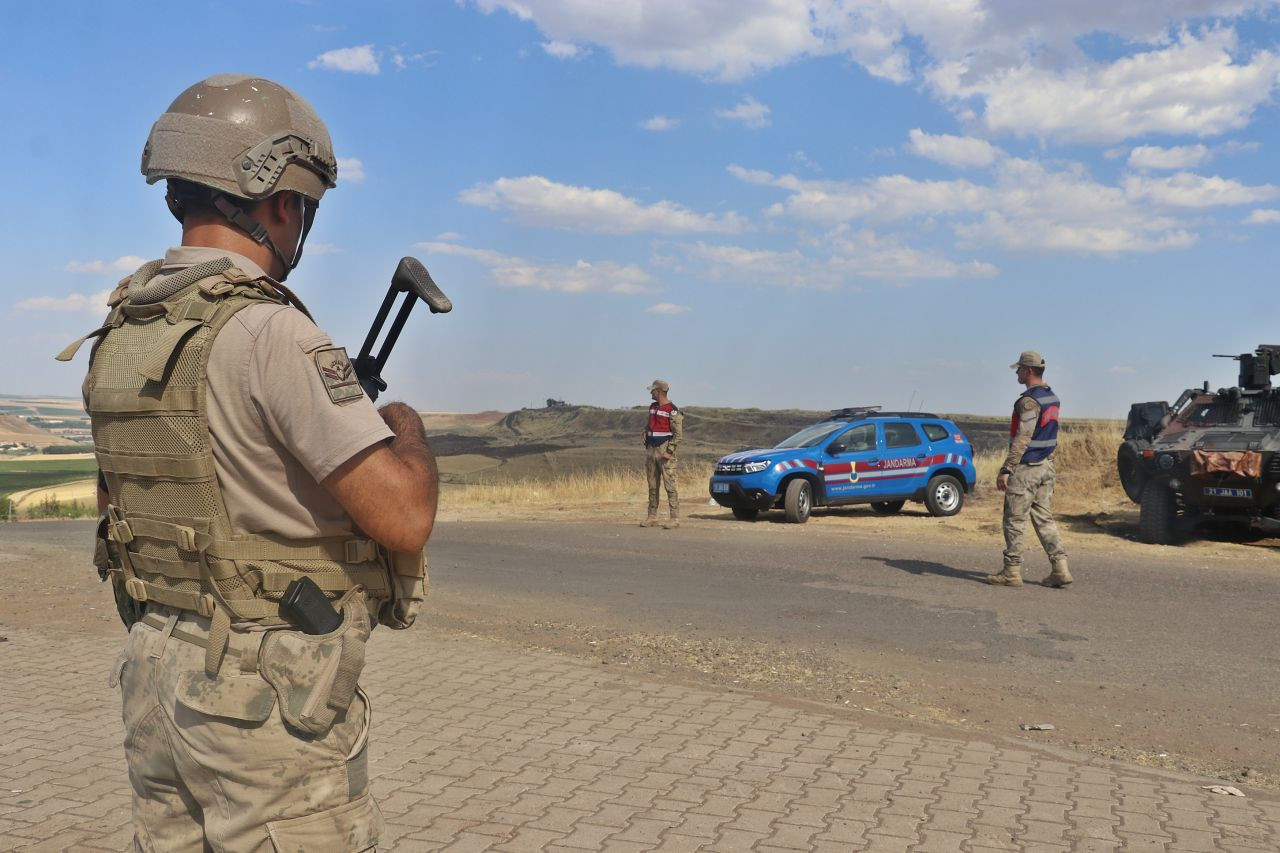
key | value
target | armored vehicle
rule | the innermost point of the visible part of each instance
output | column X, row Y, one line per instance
column 1211, row 456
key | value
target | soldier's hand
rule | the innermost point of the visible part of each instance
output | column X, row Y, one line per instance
column 1002, row 483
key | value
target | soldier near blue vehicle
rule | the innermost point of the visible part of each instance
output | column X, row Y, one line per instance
column 663, row 433
column 260, row 516
column 1027, row 476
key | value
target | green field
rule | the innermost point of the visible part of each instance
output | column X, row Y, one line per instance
column 18, row 475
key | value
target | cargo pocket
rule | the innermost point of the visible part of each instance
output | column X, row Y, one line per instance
column 237, row 697
column 315, row 676
column 351, row 827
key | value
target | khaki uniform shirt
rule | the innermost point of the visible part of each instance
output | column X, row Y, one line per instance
column 275, row 431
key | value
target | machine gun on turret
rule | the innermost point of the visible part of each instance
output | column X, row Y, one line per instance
column 1257, row 367
column 412, row 279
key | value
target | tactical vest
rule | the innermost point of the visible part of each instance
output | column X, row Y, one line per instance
column 658, row 429
column 147, row 402
column 1045, row 438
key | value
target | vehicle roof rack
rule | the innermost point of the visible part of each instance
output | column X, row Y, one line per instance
column 851, row 412
column 854, row 412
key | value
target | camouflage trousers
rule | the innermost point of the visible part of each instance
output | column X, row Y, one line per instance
column 1030, row 494
column 661, row 472
column 212, row 763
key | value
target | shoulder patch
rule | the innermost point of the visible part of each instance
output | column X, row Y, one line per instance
column 1027, row 404
column 337, row 374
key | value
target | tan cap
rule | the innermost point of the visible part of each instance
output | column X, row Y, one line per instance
column 659, row 385
column 1029, row 358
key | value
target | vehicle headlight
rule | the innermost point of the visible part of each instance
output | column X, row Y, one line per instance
column 756, row 467
column 1165, row 461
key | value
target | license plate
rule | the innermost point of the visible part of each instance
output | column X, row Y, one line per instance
column 1215, row 492
column 719, row 487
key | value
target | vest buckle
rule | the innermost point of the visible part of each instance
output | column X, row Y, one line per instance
column 136, row 588
column 361, row 551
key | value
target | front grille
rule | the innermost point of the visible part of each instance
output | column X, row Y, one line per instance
column 730, row 467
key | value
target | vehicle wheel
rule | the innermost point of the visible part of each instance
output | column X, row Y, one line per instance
column 1157, row 514
column 887, row 507
column 745, row 513
column 944, row 495
column 798, row 502
column 1129, row 467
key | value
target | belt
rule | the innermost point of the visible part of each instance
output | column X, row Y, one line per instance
column 247, row 652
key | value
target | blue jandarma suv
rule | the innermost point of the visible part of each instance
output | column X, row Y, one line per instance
column 858, row 455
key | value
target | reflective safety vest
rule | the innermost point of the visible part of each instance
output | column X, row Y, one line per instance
column 146, row 395
column 658, row 429
column 1045, row 438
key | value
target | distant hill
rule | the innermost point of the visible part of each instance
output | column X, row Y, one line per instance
column 565, row 438
column 14, row 429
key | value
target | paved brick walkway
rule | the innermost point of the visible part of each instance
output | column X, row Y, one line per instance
column 477, row 747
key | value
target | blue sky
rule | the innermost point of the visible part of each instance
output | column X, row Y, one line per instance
column 769, row 203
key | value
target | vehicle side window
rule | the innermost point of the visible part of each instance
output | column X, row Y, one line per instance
column 935, row 432
column 861, row 437
column 900, row 435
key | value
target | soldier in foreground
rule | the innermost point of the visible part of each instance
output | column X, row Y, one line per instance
column 261, row 515
column 1028, row 475
column 662, row 434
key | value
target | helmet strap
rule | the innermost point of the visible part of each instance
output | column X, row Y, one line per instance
column 256, row 231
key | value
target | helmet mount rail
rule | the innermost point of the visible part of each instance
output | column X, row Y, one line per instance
column 412, row 279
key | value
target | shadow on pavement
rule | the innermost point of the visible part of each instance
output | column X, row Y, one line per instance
column 925, row 567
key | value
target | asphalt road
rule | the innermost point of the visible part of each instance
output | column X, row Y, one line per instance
column 1159, row 655
column 1163, row 656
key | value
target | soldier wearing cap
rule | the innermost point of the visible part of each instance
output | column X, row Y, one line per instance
column 240, row 462
column 662, row 434
column 1027, row 476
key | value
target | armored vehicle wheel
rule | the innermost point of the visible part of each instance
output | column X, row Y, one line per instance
column 887, row 507
column 1157, row 514
column 944, row 495
column 798, row 501
column 1129, row 466
column 745, row 513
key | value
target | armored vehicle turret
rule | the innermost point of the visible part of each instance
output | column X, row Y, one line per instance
column 1211, row 456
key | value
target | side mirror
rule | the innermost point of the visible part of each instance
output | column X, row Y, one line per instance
column 835, row 447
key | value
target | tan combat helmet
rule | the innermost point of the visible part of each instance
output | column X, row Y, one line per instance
column 245, row 137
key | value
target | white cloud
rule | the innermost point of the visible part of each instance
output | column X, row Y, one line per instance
column 1177, row 157
column 403, row 60
column 1185, row 189
column 1026, row 206
column 448, row 236
column 1192, row 87
column 534, row 200
column 350, row 170
column 125, row 264
column 725, row 39
column 749, row 111
column 564, row 50
column 950, row 150
column 1026, row 63
column 660, row 123
column 1262, row 217
column 579, row 277
column 93, row 303
column 361, row 59
column 668, row 308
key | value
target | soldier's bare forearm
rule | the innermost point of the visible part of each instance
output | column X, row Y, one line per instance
column 410, row 445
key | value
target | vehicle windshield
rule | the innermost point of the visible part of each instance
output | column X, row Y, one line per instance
column 810, row 436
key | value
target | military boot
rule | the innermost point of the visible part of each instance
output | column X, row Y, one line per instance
column 672, row 523
column 650, row 521
column 1009, row 576
column 1060, row 576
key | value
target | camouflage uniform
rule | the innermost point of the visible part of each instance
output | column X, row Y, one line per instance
column 1030, row 486
column 661, row 460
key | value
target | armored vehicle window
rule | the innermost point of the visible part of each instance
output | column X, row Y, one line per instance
column 934, row 432
column 900, row 435
column 861, row 437
column 1212, row 414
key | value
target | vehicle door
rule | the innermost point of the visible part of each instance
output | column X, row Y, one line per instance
column 851, row 457
column 904, row 462
column 946, row 447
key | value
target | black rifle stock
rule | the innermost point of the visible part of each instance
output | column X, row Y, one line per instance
column 412, row 279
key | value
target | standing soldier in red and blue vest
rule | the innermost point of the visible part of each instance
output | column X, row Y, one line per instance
column 1027, row 476
column 662, row 434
